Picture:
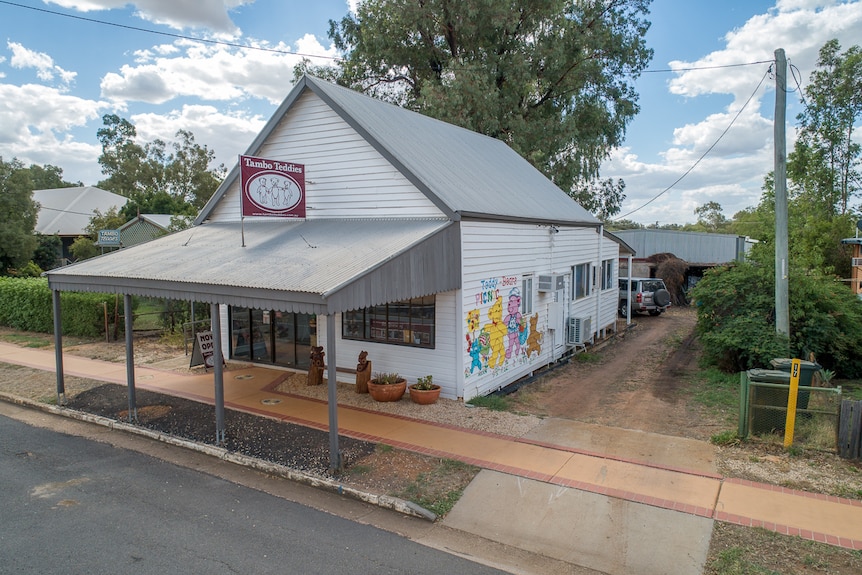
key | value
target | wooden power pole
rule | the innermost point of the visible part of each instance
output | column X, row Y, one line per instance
column 782, row 309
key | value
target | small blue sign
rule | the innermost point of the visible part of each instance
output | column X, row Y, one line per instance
column 109, row 238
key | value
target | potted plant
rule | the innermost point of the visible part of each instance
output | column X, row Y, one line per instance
column 424, row 391
column 387, row 386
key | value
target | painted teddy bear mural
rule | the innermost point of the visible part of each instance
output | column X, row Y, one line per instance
column 501, row 342
column 514, row 323
column 497, row 330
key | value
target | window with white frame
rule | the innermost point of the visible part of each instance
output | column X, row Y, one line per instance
column 607, row 274
column 527, row 295
column 582, row 274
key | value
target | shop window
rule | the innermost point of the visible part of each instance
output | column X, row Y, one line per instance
column 408, row 322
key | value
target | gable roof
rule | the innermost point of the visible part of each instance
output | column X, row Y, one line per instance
column 143, row 228
column 464, row 173
column 67, row 211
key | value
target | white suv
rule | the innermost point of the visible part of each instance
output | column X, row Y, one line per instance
column 647, row 294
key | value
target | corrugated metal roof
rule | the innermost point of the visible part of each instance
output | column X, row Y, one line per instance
column 462, row 172
column 161, row 220
column 693, row 247
column 316, row 266
column 67, row 211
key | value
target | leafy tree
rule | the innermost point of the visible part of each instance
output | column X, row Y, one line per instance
column 601, row 197
column 155, row 180
column 18, row 214
column 551, row 78
column 48, row 251
column 814, row 240
column 710, row 218
column 188, row 171
column 824, row 163
column 616, row 225
column 49, row 177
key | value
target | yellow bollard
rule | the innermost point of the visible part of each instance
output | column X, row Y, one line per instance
column 795, row 369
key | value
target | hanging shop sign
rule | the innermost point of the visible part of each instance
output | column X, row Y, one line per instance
column 272, row 188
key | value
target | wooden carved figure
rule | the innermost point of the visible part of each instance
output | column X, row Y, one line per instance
column 315, row 371
column 363, row 373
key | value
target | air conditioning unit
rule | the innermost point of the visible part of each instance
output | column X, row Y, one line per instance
column 856, row 262
column 552, row 282
column 579, row 330
column 559, row 282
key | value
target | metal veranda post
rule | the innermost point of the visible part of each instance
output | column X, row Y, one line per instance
column 218, row 373
column 130, row 355
column 335, row 463
column 58, row 348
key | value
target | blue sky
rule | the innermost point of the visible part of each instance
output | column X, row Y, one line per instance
column 59, row 75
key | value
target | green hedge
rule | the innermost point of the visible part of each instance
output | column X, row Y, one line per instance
column 25, row 304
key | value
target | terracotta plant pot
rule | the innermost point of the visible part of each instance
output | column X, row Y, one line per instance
column 387, row 391
column 424, row 396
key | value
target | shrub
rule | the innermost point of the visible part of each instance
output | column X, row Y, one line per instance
column 28, row 270
column 736, row 319
column 26, row 304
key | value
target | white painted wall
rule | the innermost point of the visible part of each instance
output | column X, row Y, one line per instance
column 496, row 257
column 345, row 176
column 410, row 362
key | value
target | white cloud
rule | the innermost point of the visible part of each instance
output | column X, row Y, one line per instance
column 35, row 122
column 228, row 135
column 43, row 64
column 208, row 14
column 732, row 173
column 209, row 72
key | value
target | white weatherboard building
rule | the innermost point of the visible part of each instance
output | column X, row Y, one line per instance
column 435, row 249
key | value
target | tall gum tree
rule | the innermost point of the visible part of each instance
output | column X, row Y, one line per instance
column 824, row 164
column 551, row 78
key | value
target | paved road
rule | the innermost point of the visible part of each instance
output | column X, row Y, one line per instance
column 72, row 505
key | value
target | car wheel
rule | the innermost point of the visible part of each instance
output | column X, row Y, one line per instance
column 661, row 298
column 624, row 308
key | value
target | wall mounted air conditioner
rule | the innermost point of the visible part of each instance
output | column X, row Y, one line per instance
column 551, row 282
column 579, row 330
column 856, row 262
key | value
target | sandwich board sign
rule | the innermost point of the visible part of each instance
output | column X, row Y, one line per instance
column 204, row 350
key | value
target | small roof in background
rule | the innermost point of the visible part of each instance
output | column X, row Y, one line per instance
column 159, row 220
column 67, row 211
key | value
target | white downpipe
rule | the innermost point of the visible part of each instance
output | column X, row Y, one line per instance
column 599, row 287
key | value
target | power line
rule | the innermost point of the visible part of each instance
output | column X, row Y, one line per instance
column 705, row 67
column 65, row 211
column 693, row 166
column 290, row 53
column 169, row 34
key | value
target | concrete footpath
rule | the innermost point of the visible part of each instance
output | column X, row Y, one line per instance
column 611, row 500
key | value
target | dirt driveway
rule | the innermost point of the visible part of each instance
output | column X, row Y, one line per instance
column 638, row 380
